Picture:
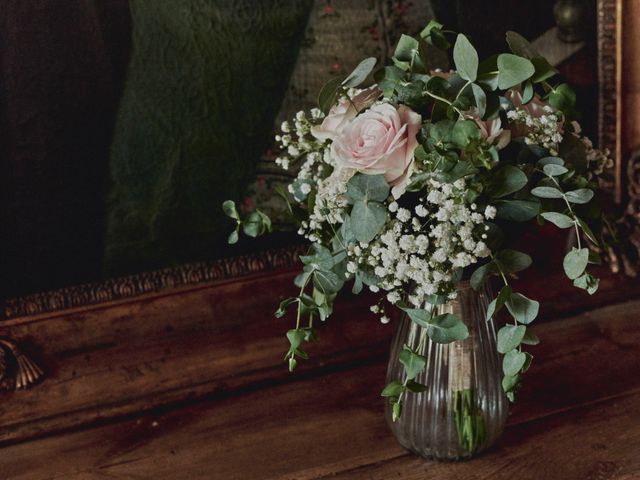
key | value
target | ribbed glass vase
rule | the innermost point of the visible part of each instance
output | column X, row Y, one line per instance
column 463, row 410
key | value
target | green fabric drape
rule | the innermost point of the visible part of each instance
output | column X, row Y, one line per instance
column 205, row 81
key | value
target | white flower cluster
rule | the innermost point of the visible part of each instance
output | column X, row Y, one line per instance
column 544, row 130
column 295, row 141
column 418, row 253
column 330, row 204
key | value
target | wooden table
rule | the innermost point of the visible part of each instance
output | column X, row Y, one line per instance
column 577, row 417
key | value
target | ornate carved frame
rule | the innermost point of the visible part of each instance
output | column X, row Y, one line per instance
column 609, row 67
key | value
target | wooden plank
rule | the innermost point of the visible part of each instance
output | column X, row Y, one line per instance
column 332, row 425
column 597, row 442
column 128, row 356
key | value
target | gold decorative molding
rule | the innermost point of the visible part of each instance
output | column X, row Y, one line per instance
column 150, row 282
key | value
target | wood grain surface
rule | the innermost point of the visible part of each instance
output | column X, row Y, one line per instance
column 578, row 417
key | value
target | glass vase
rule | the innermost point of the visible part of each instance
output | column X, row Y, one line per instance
column 463, row 409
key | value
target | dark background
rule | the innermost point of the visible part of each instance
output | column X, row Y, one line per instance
column 124, row 124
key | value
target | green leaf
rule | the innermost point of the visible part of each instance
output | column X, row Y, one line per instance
column 329, row 94
column 527, row 92
column 327, row 281
column 523, row 309
column 363, row 187
column 388, row 78
column 360, row 73
column 562, row 98
column 320, row 258
column 520, row 45
column 406, row 49
column 447, row 328
column 547, row 192
column 396, row 411
column 513, row 362
column 530, row 338
column 464, row 132
column 465, row 58
column 527, row 361
column 575, row 262
column 295, row 337
column 367, row 219
column 554, row 170
column 510, row 384
column 550, row 161
column 512, row 261
column 393, row 389
column 480, row 275
column 588, row 232
column 233, row 237
column 416, row 387
column 509, row 337
column 413, row 363
column 497, row 303
column 507, row 180
column 282, row 309
column 560, row 220
column 229, row 209
column 544, row 70
column 517, row 210
column 513, row 70
column 480, row 98
column 256, row 224
column 587, row 282
column 580, row 196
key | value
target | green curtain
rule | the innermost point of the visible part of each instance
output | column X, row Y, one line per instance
column 205, row 81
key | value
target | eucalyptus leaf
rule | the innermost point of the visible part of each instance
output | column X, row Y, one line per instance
column 406, row 49
column 530, row 338
column 367, row 219
column 509, row 337
column 233, row 237
column 575, row 262
column 554, row 170
column 496, row 304
column 517, row 210
column 527, row 92
column 513, row 70
column 513, row 362
column 393, row 389
column 547, row 192
column 447, row 328
column 560, row 220
column 544, row 70
column 580, row 196
column 520, row 45
column 587, row 282
column 507, row 180
column 480, row 275
column 512, row 261
column 329, row 94
column 464, row 132
column 550, row 161
column 480, row 98
column 413, row 363
column 229, row 209
column 465, row 57
column 523, row 309
column 363, row 187
column 360, row 73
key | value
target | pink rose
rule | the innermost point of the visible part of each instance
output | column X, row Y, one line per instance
column 380, row 141
column 491, row 130
column 535, row 107
column 342, row 113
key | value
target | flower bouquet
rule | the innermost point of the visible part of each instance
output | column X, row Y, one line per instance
column 411, row 188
